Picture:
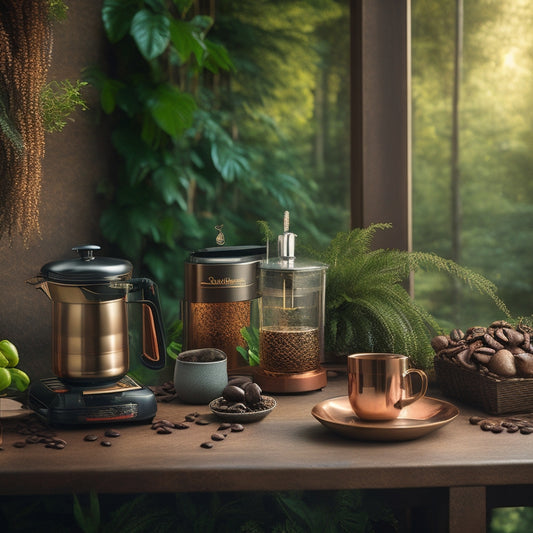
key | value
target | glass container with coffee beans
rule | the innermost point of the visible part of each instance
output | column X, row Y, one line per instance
column 291, row 333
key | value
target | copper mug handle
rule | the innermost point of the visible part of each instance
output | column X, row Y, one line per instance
column 404, row 402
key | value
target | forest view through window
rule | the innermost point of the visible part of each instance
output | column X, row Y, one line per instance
column 287, row 106
column 480, row 142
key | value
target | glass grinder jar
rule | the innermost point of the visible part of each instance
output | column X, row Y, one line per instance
column 291, row 332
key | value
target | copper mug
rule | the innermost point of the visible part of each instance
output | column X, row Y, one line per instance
column 380, row 385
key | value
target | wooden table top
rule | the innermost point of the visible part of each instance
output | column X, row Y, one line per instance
column 287, row 450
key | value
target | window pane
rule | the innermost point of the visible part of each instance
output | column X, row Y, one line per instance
column 494, row 157
column 288, row 103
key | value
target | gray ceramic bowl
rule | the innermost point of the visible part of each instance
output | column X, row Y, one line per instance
column 200, row 375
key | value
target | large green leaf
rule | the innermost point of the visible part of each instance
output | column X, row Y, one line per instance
column 186, row 41
column 117, row 16
column 216, row 57
column 168, row 183
column 228, row 161
column 151, row 32
column 172, row 109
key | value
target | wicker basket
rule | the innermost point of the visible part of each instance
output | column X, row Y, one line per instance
column 495, row 396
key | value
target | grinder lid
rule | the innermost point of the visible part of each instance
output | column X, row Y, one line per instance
column 228, row 254
column 87, row 268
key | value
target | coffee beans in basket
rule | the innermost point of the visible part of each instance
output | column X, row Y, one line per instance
column 501, row 349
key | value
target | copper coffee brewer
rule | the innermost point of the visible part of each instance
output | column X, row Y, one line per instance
column 91, row 337
column 221, row 298
column 291, row 331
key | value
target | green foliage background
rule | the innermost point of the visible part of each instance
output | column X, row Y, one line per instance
column 216, row 116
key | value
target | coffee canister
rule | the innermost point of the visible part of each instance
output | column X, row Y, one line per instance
column 221, row 298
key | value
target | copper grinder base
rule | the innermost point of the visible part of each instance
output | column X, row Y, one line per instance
column 289, row 383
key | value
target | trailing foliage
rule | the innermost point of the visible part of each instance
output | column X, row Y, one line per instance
column 59, row 99
column 367, row 307
column 28, row 108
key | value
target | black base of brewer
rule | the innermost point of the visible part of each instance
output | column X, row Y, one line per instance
column 63, row 403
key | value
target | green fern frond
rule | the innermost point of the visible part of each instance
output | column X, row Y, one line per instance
column 419, row 260
column 368, row 309
column 353, row 244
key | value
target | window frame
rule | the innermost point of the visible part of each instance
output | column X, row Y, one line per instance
column 381, row 176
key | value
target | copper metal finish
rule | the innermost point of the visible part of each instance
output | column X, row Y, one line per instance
column 90, row 340
column 379, row 385
column 416, row 420
column 289, row 383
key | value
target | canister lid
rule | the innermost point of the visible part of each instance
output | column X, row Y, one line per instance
column 87, row 268
column 228, row 254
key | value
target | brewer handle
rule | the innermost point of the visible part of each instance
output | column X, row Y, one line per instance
column 144, row 291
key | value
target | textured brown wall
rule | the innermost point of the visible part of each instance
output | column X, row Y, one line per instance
column 76, row 159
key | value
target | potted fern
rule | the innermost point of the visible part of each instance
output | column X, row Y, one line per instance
column 367, row 307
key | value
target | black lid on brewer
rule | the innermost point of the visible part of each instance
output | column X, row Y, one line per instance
column 86, row 268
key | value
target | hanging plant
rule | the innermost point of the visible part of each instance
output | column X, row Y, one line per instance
column 28, row 108
column 25, row 41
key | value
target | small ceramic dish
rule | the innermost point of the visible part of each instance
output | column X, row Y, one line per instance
column 249, row 416
column 10, row 408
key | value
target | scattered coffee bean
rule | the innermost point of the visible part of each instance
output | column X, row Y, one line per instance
column 474, row 420
column 162, row 423
column 190, row 418
column 19, row 444
column 181, row 425
column 486, row 425
column 218, row 436
column 112, row 433
column 526, row 430
column 90, row 438
column 33, row 439
column 55, row 445
column 202, row 422
column 207, row 445
column 164, row 431
column 105, row 443
column 224, row 425
column 232, row 393
column 497, row 429
column 512, row 428
column 237, row 408
column 240, row 381
column 236, row 428
column 252, row 393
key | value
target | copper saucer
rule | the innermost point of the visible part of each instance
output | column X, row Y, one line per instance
column 418, row 419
